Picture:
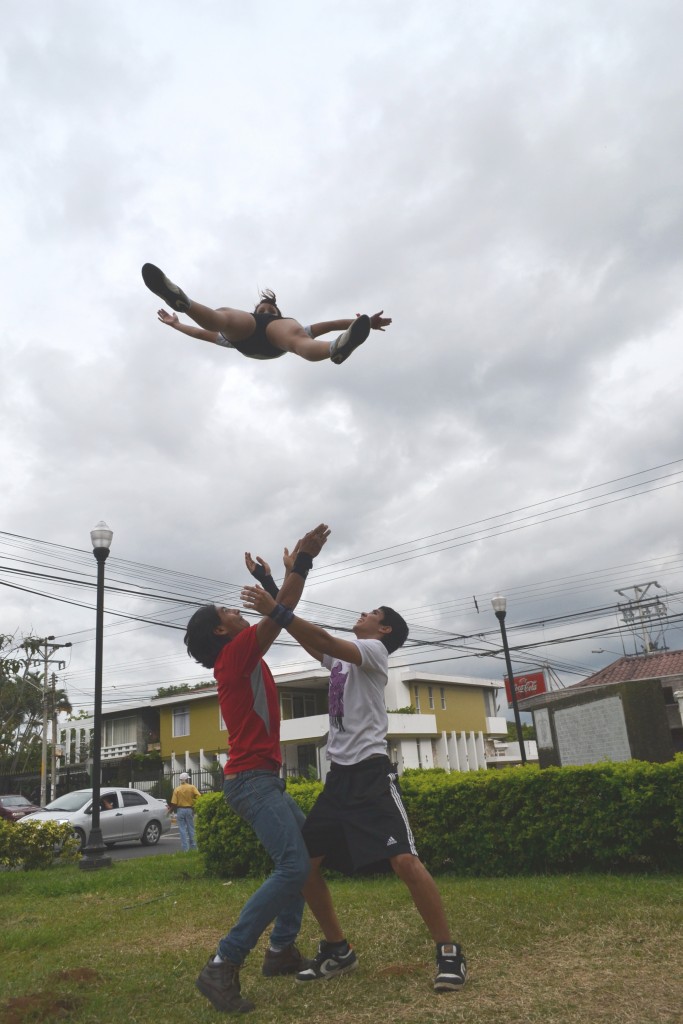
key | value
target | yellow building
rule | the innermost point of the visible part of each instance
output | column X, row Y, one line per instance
column 449, row 722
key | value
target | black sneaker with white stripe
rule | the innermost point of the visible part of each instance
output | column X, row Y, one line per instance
column 158, row 283
column 342, row 347
column 451, row 969
column 332, row 958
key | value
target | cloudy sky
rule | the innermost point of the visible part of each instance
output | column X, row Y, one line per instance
column 502, row 179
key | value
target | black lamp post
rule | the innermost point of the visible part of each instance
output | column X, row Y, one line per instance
column 93, row 854
column 499, row 607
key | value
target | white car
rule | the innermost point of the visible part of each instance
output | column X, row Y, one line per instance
column 125, row 815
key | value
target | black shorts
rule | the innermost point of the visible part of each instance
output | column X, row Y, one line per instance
column 257, row 346
column 358, row 822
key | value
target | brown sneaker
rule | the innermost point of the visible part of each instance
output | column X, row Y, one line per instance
column 220, row 983
column 286, row 961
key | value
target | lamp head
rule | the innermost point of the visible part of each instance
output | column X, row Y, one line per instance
column 101, row 535
column 499, row 604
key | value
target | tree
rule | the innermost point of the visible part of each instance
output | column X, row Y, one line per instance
column 168, row 691
column 21, row 704
column 528, row 732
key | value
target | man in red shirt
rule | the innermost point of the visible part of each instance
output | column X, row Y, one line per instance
column 222, row 639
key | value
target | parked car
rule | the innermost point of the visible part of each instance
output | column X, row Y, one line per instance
column 125, row 815
column 13, row 807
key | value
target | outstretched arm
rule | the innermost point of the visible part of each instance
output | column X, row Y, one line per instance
column 172, row 320
column 292, row 588
column 377, row 322
column 314, row 639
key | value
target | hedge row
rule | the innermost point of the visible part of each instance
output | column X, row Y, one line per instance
column 36, row 845
column 604, row 817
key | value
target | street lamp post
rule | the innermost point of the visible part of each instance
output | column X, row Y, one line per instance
column 499, row 606
column 93, row 854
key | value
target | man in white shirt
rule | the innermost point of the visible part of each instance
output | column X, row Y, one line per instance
column 359, row 821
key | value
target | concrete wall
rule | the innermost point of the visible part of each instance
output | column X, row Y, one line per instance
column 616, row 722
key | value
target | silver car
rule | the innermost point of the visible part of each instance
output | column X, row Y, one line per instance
column 125, row 815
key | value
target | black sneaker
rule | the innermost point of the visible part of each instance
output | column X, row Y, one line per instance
column 353, row 336
column 286, row 961
column 330, row 960
column 158, row 283
column 451, row 969
column 220, row 983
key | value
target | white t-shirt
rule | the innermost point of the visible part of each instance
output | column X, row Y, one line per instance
column 358, row 714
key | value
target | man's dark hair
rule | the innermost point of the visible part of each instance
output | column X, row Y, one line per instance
column 267, row 295
column 399, row 629
column 202, row 643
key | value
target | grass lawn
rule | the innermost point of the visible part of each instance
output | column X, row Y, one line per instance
column 125, row 945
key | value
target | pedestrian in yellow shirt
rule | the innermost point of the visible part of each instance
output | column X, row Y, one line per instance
column 182, row 802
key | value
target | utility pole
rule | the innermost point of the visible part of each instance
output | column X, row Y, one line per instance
column 48, row 649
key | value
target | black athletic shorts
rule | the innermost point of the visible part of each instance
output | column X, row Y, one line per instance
column 358, row 822
column 257, row 346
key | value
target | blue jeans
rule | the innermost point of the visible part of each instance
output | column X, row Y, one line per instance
column 185, row 818
column 259, row 798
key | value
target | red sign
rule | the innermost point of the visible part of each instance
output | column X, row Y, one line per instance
column 526, row 686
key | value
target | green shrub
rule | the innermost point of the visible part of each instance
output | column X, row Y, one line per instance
column 603, row 817
column 36, row 845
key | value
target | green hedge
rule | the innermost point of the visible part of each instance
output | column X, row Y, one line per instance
column 36, row 845
column 604, row 817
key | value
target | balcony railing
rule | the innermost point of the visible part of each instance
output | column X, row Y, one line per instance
column 121, row 750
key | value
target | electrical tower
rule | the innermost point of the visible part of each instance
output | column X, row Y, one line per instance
column 645, row 617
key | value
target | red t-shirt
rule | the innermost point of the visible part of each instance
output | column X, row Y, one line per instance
column 249, row 704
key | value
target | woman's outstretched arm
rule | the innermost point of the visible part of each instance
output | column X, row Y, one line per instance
column 377, row 323
column 172, row 320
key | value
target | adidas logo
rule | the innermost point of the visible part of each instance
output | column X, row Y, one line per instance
column 391, row 841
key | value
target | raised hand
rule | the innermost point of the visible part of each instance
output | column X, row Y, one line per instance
column 313, row 542
column 251, row 564
column 257, row 599
column 170, row 319
column 288, row 558
column 379, row 322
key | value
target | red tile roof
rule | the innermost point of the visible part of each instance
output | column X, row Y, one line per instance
column 659, row 665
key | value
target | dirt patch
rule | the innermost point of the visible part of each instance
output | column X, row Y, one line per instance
column 45, row 1006
column 81, row 975
column 39, row 1007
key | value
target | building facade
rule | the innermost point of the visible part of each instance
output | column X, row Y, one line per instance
column 449, row 722
column 630, row 709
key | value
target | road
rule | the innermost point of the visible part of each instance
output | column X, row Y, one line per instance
column 169, row 843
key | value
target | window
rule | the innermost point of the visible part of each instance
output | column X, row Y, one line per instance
column 442, row 691
column 306, row 759
column 118, row 731
column 417, row 698
column 419, row 752
column 297, row 705
column 133, row 799
column 181, row 721
column 430, row 696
